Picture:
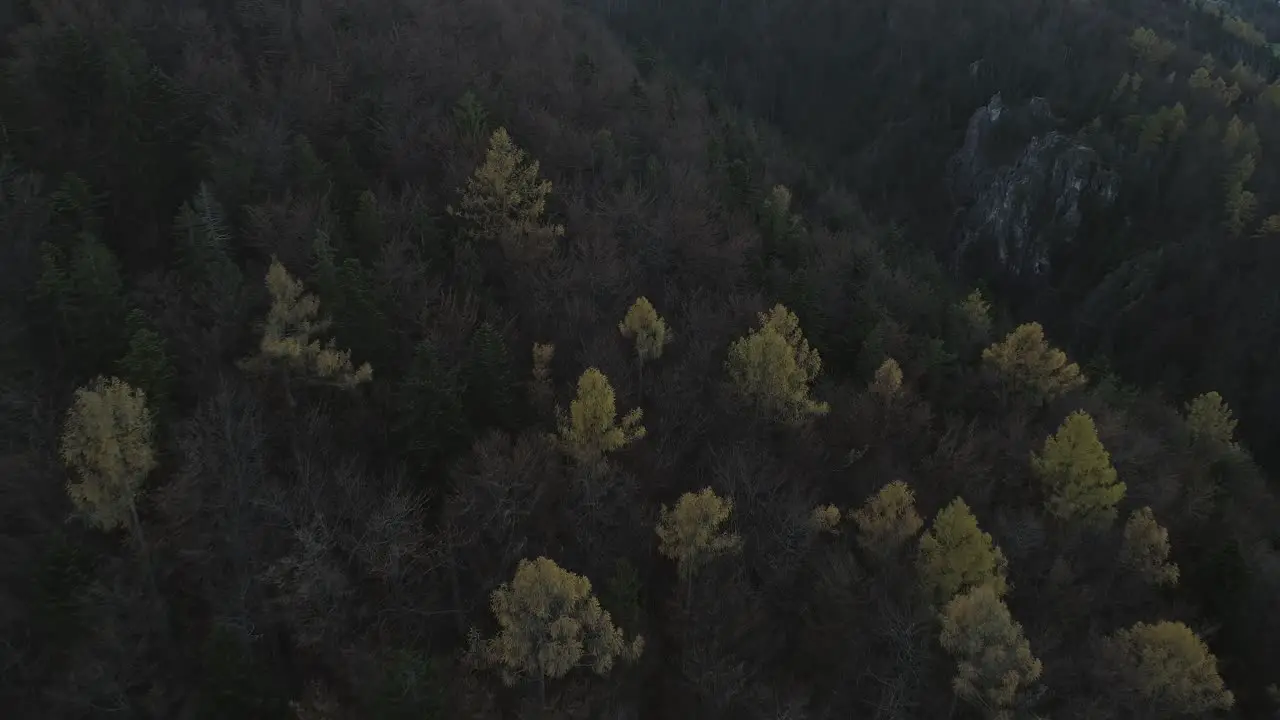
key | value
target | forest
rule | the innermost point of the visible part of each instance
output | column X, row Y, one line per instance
column 627, row 359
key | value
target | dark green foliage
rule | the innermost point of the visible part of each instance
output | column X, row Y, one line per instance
column 321, row 555
column 205, row 254
column 490, row 379
column 147, row 365
column 232, row 681
column 408, row 687
column 81, row 289
column 430, row 415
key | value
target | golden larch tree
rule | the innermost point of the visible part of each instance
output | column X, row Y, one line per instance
column 825, row 519
column 993, row 658
column 1076, row 472
column 1209, row 420
column 592, row 430
column 549, row 624
column 1145, row 549
column 289, row 341
column 646, row 328
column 691, row 533
column 504, row 202
column 956, row 555
column 1025, row 362
column 887, row 383
column 888, row 519
column 107, row 444
column 1164, row 670
column 773, row 367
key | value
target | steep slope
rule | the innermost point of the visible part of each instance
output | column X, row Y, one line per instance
column 474, row 195
column 1160, row 93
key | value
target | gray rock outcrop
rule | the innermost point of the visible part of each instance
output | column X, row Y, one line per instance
column 1024, row 188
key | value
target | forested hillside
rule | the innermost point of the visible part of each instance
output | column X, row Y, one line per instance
column 422, row 359
column 1168, row 273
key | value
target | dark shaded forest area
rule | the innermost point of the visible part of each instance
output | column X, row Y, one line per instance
column 540, row 359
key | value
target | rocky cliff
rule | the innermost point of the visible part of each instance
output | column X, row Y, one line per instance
column 1023, row 188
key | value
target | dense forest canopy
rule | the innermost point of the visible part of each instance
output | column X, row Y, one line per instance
column 551, row 359
column 882, row 93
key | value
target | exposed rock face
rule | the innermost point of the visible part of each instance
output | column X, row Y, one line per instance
column 1024, row 188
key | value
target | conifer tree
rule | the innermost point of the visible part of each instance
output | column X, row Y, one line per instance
column 107, row 443
column 825, row 518
column 504, row 202
column 888, row 519
column 147, row 364
column 1025, row 360
column 550, row 623
column 592, row 430
column 643, row 325
column 780, row 227
column 489, row 377
column 971, row 319
column 956, row 555
column 1077, row 474
column 541, row 393
column 470, row 118
column 691, row 533
column 993, row 658
column 1145, row 549
column 1209, row 420
column 1164, row 670
column 288, row 336
column 83, row 288
column 887, row 383
column 773, row 367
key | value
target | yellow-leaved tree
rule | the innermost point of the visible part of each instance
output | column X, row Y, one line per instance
column 1076, row 472
column 993, row 658
column 289, row 343
column 646, row 328
column 956, row 555
column 1145, row 549
column 504, row 202
column 691, row 532
column 1163, row 670
column 549, row 624
column 887, row 383
column 888, row 520
column 1209, row 420
column 107, row 443
column 773, row 368
column 825, row 519
column 1028, row 367
column 592, row 430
